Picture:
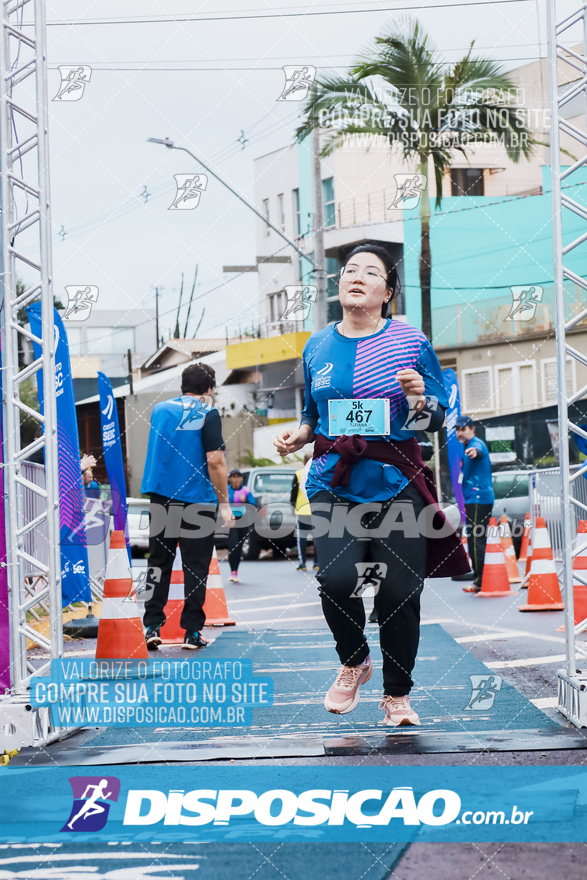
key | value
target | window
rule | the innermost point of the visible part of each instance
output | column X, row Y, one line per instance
column 509, row 485
column 74, row 338
column 466, row 182
column 478, row 389
column 515, row 386
column 295, row 201
column 328, row 199
column 280, row 212
column 110, row 340
column 332, row 267
column 275, row 484
column 266, row 212
column 548, row 373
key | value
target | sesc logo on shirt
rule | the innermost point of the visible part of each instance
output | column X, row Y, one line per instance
column 322, row 379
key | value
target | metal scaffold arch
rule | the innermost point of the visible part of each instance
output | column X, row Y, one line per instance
column 567, row 77
column 33, row 567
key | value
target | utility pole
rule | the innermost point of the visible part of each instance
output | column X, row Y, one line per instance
column 156, row 318
column 320, row 277
column 129, row 361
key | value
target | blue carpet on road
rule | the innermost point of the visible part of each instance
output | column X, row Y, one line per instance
column 201, row 861
column 303, row 663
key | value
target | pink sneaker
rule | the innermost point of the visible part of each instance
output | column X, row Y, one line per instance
column 234, row 577
column 398, row 712
column 343, row 695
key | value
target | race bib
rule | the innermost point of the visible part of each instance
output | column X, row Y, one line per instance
column 367, row 417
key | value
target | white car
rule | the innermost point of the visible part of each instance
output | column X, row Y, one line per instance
column 138, row 525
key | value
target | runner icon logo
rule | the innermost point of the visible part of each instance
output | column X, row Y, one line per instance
column 409, row 190
column 525, row 302
column 189, row 190
column 299, row 301
column 90, row 802
column 74, row 79
column 193, row 414
column 297, row 82
column 483, row 691
column 80, row 299
column 419, row 418
column 370, row 574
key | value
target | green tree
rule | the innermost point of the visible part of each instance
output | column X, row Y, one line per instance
column 401, row 89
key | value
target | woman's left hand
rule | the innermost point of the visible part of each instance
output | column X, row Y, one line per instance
column 412, row 384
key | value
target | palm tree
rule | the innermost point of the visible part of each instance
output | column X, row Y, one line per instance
column 400, row 89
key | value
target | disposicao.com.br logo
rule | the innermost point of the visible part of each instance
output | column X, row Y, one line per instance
column 364, row 809
column 91, row 795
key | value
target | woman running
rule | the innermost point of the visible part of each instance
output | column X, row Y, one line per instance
column 371, row 384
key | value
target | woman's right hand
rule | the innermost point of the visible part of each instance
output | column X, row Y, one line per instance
column 291, row 439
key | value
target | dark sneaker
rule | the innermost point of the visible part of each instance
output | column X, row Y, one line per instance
column 193, row 641
column 374, row 616
column 301, row 567
column 153, row 638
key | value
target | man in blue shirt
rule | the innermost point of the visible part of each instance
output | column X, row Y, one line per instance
column 185, row 477
column 478, row 494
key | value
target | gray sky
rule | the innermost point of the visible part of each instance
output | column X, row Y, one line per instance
column 230, row 80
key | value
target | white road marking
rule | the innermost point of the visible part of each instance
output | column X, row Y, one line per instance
column 281, row 620
column 438, row 620
column 487, row 637
column 545, row 702
column 263, row 598
column 529, row 661
column 275, row 607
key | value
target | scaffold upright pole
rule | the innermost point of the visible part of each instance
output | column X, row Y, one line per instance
column 564, row 85
column 25, row 260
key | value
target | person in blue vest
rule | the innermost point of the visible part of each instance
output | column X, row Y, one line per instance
column 186, row 479
column 478, row 494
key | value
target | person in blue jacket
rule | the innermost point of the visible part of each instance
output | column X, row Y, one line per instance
column 478, row 494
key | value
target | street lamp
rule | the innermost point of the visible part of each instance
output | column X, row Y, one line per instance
column 171, row 146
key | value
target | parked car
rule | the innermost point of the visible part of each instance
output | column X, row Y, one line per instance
column 275, row 522
column 138, row 525
column 512, row 498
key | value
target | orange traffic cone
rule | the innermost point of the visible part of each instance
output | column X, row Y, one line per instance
column 215, row 607
column 495, row 581
column 543, row 588
column 507, row 545
column 120, row 631
column 171, row 632
column 525, row 539
column 579, row 589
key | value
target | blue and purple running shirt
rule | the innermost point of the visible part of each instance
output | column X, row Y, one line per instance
column 338, row 367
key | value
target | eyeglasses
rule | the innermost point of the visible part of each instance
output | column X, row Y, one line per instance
column 351, row 273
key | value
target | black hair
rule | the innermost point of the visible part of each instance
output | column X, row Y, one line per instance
column 392, row 281
column 197, row 379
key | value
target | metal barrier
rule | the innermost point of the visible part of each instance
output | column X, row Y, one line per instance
column 545, row 501
column 35, row 541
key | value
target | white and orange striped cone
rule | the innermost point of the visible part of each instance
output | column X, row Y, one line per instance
column 579, row 589
column 525, row 545
column 528, row 561
column 171, row 632
column 120, row 631
column 495, row 581
column 543, row 587
column 215, row 607
column 507, row 545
